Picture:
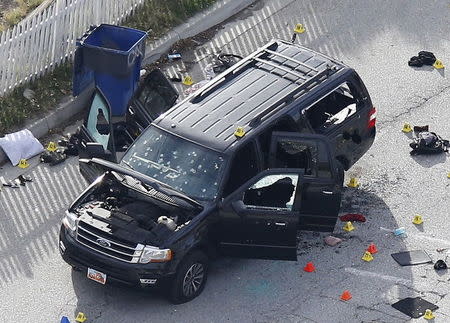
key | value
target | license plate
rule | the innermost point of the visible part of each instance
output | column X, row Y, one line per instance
column 99, row 277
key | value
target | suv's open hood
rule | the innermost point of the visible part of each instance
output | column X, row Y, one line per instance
column 163, row 188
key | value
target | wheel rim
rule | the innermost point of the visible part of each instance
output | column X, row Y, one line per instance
column 193, row 279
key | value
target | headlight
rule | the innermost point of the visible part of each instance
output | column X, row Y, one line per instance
column 153, row 254
column 70, row 223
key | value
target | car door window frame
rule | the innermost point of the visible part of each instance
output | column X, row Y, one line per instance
column 292, row 197
column 238, row 194
column 88, row 125
column 309, row 137
column 356, row 93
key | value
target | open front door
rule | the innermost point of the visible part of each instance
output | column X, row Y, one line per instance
column 321, row 188
column 260, row 219
column 97, row 137
column 154, row 96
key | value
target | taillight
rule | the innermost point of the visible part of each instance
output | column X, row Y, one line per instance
column 372, row 118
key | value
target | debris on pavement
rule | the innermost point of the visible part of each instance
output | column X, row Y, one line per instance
column 16, row 183
column 64, row 319
column 440, row 265
column 332, row 241
column 410, row 258
column 346, row 295
column 10, row 184
column 372, row 248
column 423, row 58
column 421, row 128
column 174, row 56
column 20, row 145
column 24, row 178
column 309, row 268
column 176, row 78
column 367, row 256
column 224, row 61
column 348, row 226
column 427, row 142
column 352, row 217
column 400, row 232
column 53, row 157
column 414, row 307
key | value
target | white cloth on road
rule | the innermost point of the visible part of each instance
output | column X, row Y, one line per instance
column 20, row 145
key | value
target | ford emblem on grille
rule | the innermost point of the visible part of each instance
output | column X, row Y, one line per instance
column 103, row 242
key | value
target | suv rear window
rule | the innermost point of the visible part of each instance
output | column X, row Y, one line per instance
column 333, row 109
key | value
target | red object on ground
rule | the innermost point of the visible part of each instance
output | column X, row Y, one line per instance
column 346, row 295
column 372, row 248
column 309, row 268
column 352, row 217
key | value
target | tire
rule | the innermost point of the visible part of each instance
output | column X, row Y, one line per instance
column 190, row 278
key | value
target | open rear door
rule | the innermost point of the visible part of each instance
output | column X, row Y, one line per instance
column 321, row 188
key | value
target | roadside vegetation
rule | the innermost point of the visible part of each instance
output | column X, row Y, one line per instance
column 155, row 16
column 13, row 11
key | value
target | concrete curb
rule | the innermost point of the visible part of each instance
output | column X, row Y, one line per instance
column 202, row 21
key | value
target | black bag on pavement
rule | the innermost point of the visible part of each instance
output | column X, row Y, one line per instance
column 428, row 143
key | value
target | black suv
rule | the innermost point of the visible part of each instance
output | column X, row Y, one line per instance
column 237, row 169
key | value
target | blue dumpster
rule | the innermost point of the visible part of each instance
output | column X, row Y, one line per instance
column 110, row 56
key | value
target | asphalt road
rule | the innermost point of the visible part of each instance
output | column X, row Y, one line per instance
column 376, row 38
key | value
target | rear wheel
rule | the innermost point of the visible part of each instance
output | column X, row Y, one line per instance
column 190, row 278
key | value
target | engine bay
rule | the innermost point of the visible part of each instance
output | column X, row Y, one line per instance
column 132, row 212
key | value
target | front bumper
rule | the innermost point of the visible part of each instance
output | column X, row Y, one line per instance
column 138, row 275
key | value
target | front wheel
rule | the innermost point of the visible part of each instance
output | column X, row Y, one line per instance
column 190, row 278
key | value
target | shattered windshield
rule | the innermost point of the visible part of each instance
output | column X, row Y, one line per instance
column 186, row 167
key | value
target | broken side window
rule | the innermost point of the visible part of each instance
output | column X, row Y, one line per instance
column 310, row 156
column 333, row 109
column 284, row 124
column 273, row 191
column 97, row 123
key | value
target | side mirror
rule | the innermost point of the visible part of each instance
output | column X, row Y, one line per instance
column 95, row 149
column 238, row 205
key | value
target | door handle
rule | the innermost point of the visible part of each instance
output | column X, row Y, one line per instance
column 280, row 224
column 327, row 192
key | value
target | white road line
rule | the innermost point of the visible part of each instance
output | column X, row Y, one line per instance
column 423, row 236
column 396, row 280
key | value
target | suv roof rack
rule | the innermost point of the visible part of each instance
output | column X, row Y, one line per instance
column 251, row 91
column 303, row 78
